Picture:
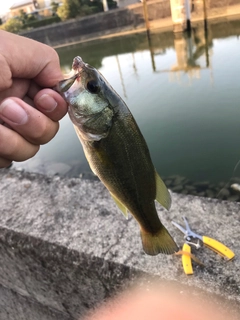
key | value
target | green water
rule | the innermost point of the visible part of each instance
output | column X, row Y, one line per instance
column 183, row 92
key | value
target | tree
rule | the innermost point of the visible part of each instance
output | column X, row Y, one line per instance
column 74, row 8
column 54, row 7
column 69, row 9
column 13, row 25
column 22, row 16
column 25, row 18
column 112, row 4
column 96, row 5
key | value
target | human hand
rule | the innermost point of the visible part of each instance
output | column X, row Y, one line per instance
column 168, row 302
column 29, row 109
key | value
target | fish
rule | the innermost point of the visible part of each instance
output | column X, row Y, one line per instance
column 117, row 152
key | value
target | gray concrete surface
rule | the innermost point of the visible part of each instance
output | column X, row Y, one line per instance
column 65, row 247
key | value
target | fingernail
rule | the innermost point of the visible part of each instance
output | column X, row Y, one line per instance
column 47, row 103
column 12, row 111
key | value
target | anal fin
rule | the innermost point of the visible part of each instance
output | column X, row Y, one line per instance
column 162, row 194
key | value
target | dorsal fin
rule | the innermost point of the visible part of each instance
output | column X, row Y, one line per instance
column 162, row 194
column 120, row 206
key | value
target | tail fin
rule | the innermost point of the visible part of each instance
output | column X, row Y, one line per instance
column 160, row 242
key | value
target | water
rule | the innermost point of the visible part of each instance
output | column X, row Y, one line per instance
column 183, row 92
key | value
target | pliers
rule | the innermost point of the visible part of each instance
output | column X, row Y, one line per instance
column 212, row 244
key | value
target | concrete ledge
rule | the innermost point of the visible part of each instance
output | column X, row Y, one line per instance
column 65, row 247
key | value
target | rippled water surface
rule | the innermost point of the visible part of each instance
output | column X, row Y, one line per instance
column 184, row 93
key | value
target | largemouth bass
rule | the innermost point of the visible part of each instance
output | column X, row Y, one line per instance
column 117, row 152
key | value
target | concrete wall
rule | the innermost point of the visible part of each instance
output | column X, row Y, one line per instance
column 122, row 19
column 65, row 247
column 119, row 20
column 79, row 29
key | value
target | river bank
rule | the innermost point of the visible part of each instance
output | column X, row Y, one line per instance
column 120, row 22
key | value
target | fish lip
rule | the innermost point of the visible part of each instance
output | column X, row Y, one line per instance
column 78, row 64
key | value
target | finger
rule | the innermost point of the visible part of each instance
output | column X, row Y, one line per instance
column 19, row 88
column 44, row 67
column 30, row 123
column 156, row 305
column 14, row 147
column 33, row 89
column 47, row 101
column 4, row 163
column 51, row 104
column 29, row 101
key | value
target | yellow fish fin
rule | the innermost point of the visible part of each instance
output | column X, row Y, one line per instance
column 162, row 194
column 120, row 205
column 160, row 242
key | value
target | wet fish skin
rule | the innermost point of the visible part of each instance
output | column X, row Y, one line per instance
column 117, row 152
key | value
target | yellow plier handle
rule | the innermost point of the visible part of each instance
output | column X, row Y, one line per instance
column 186, row 259
column 218, row 247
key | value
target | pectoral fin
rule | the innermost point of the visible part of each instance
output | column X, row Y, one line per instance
column 120, row 206
column 162, row 194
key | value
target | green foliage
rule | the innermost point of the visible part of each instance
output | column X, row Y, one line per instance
column 42, row 23
column 31, row 17
column 26, row 18
column 112, row 4
column 22, row 16
column 69, row 9
column 54, row 6
column 1, row 22
column 15, row 25
column 77, row 8
column 96, row 4
column 12, row 25
column 87, row 10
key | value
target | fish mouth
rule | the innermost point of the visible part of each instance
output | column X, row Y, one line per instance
column 78, row 64
column 66, row 84
column 77, row 68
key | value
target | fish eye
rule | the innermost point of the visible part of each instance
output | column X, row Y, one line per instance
column 93, row 86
